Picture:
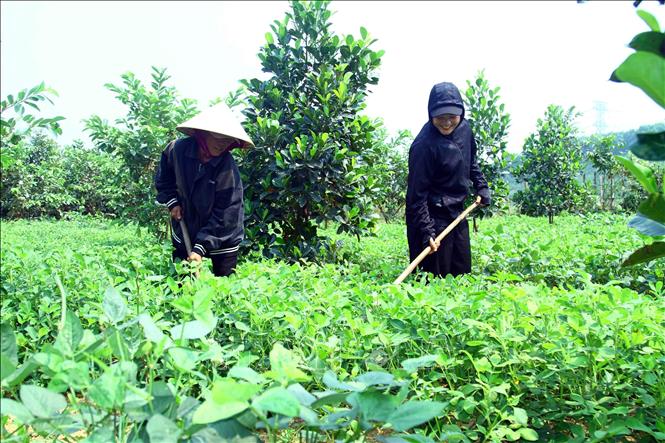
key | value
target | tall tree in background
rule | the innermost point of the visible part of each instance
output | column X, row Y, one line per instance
column 313, row 148
column 16, row 124
column 607, row 169
column 391, row 172
column 139, row 137
column 551, row 161
column 490, row 123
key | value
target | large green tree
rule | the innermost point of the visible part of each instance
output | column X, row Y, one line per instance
column 153, row 112
column 550, row 164
column 313, row 148
column 391, row 171
column 16, row 124
column 606, row 167
column 490, row 123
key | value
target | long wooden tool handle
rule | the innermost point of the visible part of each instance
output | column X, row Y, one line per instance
column 409, row 269
column 185, row 236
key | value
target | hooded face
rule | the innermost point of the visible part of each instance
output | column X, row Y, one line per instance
column 445, row 107
column 446, row 123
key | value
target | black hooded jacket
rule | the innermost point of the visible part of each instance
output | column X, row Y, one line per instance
column 441, row 169
column 212, row 203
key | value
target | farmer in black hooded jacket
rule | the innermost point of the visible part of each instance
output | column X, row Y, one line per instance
column 442, row 168
column 198, row 181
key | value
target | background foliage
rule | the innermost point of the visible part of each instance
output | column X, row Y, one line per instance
column 490, row 123
column 551, row 163
column 314, row 149
column 137, row 140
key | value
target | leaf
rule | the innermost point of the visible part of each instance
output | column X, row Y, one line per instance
column 41, row 402
column 16, row 410
column 331, row 381
column 227, row 390
column 645, row 254
column 279, row 401
column 269, row 38
column 192, row 330
column 647, row 226
column 284, row 365
column 184, row 359
column 301, row 394
column 7, row 367
column 114, row 305
column 8, row 347
column 520, row 416
column 246, row 373
column 643, row 174
column 225, row 431
column 108, row 391
column 151, row 331
column 19, row 374
column 101, row 435
column 375, row 378
column 330, row 400
column 413, row 364
column 650, row 147
column 649, row 42
column 70, row 335
column 414, row 413
column 210, row 411
column 528, row 434
column 653, row 208
column 187, row 406
column 374, row 405
column 646, row 71
column 649, row 19
column 161, row 429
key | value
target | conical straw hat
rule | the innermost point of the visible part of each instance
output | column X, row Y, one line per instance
column 218, row 119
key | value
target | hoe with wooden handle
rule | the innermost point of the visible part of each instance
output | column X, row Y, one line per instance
column 185, row 236
column 409, row 269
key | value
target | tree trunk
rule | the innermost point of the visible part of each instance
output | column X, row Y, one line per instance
column 602, row 193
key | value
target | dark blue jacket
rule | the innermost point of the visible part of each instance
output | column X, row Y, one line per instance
column 442, row 169
column 212, row 203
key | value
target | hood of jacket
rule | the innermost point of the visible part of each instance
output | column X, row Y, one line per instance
column 444, row 94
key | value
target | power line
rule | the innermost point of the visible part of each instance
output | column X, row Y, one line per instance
column 601, row 108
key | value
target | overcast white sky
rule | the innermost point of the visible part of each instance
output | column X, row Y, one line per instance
column 539, row 53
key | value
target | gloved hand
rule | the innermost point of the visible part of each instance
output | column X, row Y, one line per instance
column 485, row 198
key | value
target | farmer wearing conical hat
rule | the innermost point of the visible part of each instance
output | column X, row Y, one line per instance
column 199, row 182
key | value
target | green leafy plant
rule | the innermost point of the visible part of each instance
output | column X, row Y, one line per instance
column 19, row 126
column 139, row 137
column 48, row 180
column 490, row 123
column 551, row 161
column 606, row 168
column 645, row 69
column 547, row 339
column 313, row 148
column 390, row 170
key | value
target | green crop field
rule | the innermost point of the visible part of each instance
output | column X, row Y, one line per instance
column 548, row 339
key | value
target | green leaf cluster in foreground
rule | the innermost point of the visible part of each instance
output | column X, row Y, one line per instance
column 548, row 339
